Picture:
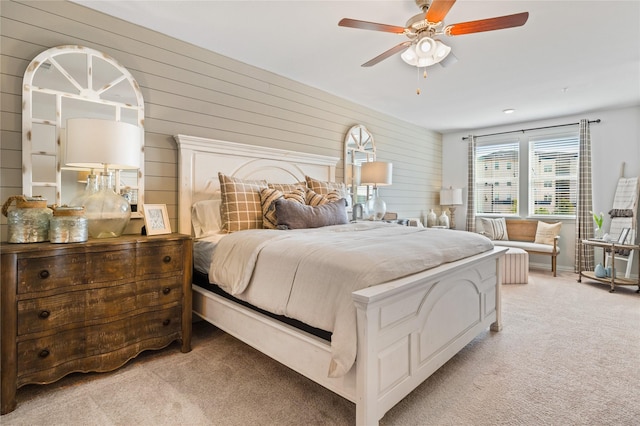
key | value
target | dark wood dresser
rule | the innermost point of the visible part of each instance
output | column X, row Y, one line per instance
column 90, row 306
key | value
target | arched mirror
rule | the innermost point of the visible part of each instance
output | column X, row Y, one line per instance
column 74, row 82
column 359, row 147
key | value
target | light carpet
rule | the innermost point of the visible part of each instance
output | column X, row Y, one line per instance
column 569, row 354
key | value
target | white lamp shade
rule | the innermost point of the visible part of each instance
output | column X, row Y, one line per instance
column 377, row 173
column 451, row 197
column 97, row 143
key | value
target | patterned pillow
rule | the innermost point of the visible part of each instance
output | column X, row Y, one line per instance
column 324, row 187
column 287, row 187
column 240, row 207
column 268, row 196
column 495, row 229
column 313, row 199
column 292, row 215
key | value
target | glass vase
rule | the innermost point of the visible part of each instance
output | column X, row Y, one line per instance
column 107, row 213
column 598, row 233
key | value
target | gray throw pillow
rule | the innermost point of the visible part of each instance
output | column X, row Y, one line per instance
column 293, row 215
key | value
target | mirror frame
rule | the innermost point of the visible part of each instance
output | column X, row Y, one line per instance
column 359, row 147
column 82, row 81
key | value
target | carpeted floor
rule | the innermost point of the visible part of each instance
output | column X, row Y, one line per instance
column 569, row 354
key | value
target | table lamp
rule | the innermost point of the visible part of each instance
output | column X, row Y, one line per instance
column 110, row 145
column 451, row 197
column 376, row 173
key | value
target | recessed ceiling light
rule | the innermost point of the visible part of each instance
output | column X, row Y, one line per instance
column 509, row 111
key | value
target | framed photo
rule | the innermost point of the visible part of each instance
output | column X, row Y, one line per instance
column 623, row 235
column 156, row 219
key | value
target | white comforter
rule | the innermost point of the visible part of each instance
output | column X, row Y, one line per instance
column 309, row 274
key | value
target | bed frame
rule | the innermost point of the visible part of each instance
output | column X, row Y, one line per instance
column 407, row 328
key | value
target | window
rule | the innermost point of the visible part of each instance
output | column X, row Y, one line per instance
column 553, row 178
column 490, row 179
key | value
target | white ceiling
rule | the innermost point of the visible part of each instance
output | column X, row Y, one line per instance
column 571, row 57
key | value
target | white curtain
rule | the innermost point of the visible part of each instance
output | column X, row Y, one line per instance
column 584, row 219
column 471, row 185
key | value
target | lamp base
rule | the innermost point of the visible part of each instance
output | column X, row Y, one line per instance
column 452, row 222
column 376, row 207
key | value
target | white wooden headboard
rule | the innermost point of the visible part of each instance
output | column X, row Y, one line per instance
column 200, row 160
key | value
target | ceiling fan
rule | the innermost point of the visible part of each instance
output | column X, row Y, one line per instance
column 422, row 49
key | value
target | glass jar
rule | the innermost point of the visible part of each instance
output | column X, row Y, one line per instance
column 29, row 221
column 68, row 225
column 107, row 213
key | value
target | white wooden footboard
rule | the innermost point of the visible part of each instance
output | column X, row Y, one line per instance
column 409, row 328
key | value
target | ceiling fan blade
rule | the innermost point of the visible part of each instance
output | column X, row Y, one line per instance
column 364, row 25
column 498, row 23
column 381, row 57
column 438, row 10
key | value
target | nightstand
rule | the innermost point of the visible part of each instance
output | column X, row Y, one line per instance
column 90, row 306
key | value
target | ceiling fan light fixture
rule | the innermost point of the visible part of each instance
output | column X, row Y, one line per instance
column 409, row 56
column 425, row 47
column 442, row 50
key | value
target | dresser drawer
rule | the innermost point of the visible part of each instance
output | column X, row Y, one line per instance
column 94, row 348
column 160, row 258
column 82, row 307
column 75, row 269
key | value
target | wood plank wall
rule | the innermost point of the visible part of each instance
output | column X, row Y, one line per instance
column 193, row 91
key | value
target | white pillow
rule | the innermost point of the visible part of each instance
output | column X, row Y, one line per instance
column 205, row 217
column 494, row 229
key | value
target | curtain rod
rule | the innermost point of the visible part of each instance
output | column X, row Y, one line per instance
column 533, row 128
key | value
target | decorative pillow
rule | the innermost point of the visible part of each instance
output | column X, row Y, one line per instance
column 288, row 187
column 313, row 199
column 240, row 207
column 293, row 215
column 494, row 229
column 324, row 187
column 546, row 232
column 205, row 217
column 268, row 196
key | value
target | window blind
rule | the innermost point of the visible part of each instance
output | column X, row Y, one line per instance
column 553, row 176
column 497, row 177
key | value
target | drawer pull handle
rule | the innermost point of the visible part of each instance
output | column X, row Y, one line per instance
column 44, row 314
column 166, row 259
column 166, row 322
column 44, row 274
column 43, row 353
column 166, row 290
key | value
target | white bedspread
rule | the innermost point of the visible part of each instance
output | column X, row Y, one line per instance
column 309, row 274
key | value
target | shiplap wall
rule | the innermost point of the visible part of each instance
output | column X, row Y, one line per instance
column 193, row 91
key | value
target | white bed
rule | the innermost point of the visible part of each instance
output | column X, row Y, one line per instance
column 406, row 328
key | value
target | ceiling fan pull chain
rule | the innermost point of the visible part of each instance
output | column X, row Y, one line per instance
column 418, row 89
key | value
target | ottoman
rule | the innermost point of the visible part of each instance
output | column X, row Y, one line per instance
column 515, row 268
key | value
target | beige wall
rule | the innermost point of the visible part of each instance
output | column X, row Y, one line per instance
column 193, row 91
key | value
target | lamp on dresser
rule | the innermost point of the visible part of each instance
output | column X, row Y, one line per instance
column 376, row 173
column 451, row 198
column 108, row 145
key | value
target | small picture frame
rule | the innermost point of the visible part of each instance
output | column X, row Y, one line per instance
column 623, row 235
column 156, row 219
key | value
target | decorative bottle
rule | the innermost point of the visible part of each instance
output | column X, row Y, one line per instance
column 443, row 220
column 432, row 219
column 107, row 213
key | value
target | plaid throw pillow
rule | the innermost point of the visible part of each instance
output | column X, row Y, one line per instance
column 324, row 187
column 240, row 207
column 287, row 187
column 268, row 196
